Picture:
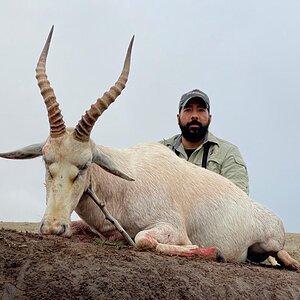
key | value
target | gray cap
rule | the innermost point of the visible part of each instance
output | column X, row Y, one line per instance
column 185, row 98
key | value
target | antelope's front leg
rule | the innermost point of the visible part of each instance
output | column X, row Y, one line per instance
column 164, row 238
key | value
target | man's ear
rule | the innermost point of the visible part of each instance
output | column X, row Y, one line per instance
column 178, row 118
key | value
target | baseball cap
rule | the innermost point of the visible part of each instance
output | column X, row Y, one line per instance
column 185, row 98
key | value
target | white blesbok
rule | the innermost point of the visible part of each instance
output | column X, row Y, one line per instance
column 171, row 206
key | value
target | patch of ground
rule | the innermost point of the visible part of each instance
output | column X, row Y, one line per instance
column 83, row 267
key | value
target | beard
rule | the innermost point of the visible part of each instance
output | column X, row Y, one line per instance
column 195, row 134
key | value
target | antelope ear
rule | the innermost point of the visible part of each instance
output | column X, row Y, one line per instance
column 106, row 163
column 28, row 152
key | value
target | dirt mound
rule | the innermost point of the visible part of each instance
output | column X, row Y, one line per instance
column 81, row 267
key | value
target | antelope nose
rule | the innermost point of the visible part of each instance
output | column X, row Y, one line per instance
column 61, row 229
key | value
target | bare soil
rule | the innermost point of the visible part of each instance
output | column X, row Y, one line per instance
column 83, row 267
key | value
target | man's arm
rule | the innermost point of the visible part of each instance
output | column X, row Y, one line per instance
column 234, row 169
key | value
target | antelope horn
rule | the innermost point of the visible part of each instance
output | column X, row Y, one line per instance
column 57, row 124
column 85, row 125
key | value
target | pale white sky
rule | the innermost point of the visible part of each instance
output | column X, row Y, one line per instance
column 243, row 54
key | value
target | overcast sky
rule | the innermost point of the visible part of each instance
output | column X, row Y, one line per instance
column 244, row 54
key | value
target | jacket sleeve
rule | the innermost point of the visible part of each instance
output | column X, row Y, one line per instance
column 234, row 169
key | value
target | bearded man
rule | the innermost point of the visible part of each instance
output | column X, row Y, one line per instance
column 199, row 146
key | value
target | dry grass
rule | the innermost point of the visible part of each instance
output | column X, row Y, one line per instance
column 292, row 245
column 20, row 226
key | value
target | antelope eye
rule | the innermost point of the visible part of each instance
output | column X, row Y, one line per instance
column 50, row 175
column 46, row 164
column 83, row 167
column 76, row 177
column 48, row 171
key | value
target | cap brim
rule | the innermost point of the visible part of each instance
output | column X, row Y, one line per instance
column 193, row 97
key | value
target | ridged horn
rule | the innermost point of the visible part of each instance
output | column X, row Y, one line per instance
column 56, row 122
column 85, row 125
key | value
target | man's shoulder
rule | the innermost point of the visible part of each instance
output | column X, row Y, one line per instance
column 227, row 149
column 221, row 142
column 170, row 141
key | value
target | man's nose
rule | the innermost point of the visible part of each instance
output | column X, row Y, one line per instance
column 194, row 116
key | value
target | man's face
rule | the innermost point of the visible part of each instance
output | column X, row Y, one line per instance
column 194, row 120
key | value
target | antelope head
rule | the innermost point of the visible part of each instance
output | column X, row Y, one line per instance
column 69, row 152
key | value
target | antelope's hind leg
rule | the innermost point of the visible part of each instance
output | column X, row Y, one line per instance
column 167, row 239
column 286, row 260
column 261, row 251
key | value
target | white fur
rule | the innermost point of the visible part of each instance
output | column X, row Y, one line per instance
column 196, row 205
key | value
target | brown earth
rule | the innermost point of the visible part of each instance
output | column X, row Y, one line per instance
column 83, row 267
